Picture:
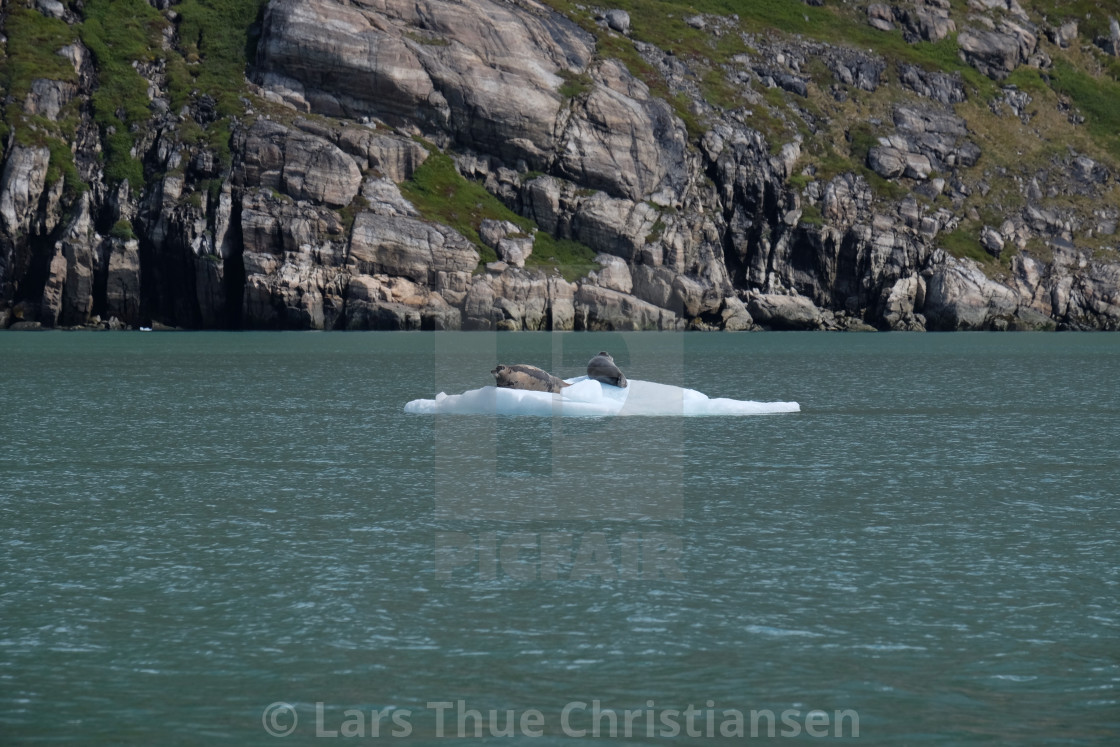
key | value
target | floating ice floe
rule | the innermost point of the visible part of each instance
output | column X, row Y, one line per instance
column 588, row 398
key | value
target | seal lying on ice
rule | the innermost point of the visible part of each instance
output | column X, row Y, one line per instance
column 602, row 369
column 521, row 376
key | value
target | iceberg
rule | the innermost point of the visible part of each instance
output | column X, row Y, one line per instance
column 589, row 398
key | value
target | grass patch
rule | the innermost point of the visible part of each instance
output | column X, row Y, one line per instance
column 861, row 139
column 33, row 42
column 122, row 229
column 964, row 243
column 1091, row 15
column 219, row 35
column 428, row 40
column 571, row 258
column 62, row 166
column 1097, row 98
column 811, row 215
column 349, row 213
column 444, row 195
column 575, row 84
column 217, row 38
column 119, row 33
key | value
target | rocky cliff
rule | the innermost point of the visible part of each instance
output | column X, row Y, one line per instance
column 512, row 164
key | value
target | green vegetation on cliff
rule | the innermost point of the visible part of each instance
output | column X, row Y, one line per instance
column 121, row 34
column 442, row 194
column 215, row 43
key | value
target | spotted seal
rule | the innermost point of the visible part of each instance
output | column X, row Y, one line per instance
column 602, row 369
column 521, row 376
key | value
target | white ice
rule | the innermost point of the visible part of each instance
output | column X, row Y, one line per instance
column 587, row 397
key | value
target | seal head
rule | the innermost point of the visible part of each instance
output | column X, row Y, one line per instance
column 521, row 376
column 602, row 369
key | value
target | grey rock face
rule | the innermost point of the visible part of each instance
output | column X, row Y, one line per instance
column 900, row 302
column 928, row 139
column 394, row 157
column 941, row 87
column 299, row 164
column 47, row 97
column 409, row 248
column 122, row 282
column 482, row 71
column 21, row 186
column 294, row 260
column 516, row 300
column 603, row 309
column 959, row 296
column 621, row 140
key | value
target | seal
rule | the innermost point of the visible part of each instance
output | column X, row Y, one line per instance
column 602, row 369
column 521, row 376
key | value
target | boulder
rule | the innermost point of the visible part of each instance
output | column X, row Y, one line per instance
column 880, row 16
column 993, row 53
column 515, row 251
column 930, row 24
column 886, row 161
column 1111, row 43
column 696, row 297
column 992, row 241
column 899, row 302
column 735, row 316
column 51, row 8
column 619, row 20
column 942, row 87
column 493, row 231
column 507, row 240
column 1065, row 35
column 960, row 296
column 383, row 197
column 47, row 97
column 776, row 311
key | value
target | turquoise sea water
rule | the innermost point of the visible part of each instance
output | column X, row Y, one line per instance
column 206, row 538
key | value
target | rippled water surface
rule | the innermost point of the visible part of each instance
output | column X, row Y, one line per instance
column 195, row 527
